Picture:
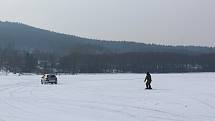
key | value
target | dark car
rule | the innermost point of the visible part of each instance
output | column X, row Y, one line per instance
column 49, row 78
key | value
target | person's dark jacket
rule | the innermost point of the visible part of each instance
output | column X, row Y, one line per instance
column 148, row 78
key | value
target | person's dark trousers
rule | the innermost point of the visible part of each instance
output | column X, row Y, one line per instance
column 148, row 85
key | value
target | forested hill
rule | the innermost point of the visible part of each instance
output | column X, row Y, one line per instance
column 24, row 37
column 43, row 51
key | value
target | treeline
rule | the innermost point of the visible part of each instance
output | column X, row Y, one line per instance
column 137, row 63
column 76, row 62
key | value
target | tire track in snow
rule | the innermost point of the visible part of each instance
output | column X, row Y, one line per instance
column 94, row 105
column 90, row 107
column 85, row 106
column 11, row 90
column 88, row 104
column 141, row 108
column 158, row 118
column 206, row 104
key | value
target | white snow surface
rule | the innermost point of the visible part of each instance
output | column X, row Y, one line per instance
column 108, row 97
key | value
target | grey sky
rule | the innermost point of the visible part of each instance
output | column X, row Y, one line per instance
column 184, row 22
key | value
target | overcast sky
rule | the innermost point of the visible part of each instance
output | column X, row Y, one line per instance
column 172, row 22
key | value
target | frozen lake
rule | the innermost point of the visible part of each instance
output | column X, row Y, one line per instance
column 109, row 97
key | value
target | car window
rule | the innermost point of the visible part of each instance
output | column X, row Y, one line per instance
column 53, row 76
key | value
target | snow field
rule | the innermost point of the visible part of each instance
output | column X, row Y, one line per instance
column 109, row 97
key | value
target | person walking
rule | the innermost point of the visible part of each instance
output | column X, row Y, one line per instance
column 148, row 81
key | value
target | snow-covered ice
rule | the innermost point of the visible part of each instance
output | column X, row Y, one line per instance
column 109, row 97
